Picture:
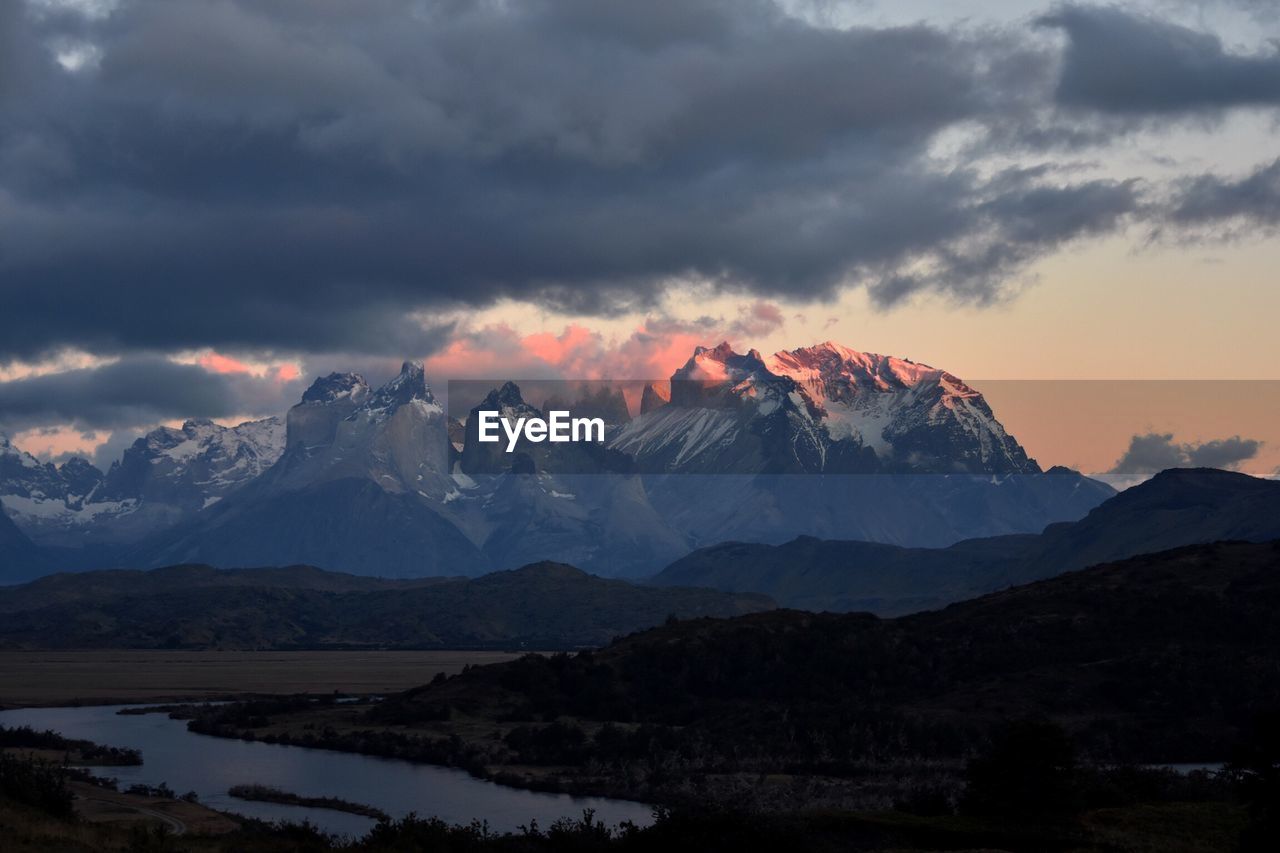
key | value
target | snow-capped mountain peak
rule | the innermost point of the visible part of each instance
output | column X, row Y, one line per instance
column 389, row 461
column 508, row 400
column 83, row 479
column 12, row 457
column 410, row 384
column 720, row 376
column 892, row 404
column 314, row 421
column 349, row 387
column 201, row 461
column 20, row 472
column 408, row 387
column 162, row 477
column 839, row 370
column 834, row 404
column 719, row 363
column 397, row 436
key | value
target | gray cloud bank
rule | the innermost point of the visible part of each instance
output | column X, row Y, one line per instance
column 1155, row 452
column 306, row 175
column 1253, row 199
column 1119, row 62
column 137, row 391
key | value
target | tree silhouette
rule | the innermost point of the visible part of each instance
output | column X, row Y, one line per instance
column 1029, row 772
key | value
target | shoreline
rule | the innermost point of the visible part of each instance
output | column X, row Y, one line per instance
column 508, row 779
column 268, row 794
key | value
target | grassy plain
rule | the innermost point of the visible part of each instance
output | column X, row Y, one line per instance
column 30, row 678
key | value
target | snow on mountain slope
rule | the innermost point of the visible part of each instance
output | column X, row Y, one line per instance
column 902, row 409
column 825, row 408
column 186, row 467
column 24, row 476
column 42, row 497
column 314, row 421
column 396, row 435
column 379, row 479
column 163, row 477
column 728, row 413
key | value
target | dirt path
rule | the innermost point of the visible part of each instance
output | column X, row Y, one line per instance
column 178, row 826
column 101, row 805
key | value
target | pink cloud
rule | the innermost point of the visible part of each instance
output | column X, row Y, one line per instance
column 572, row 345
column 758, row 319
column 216, row 362
column 283, row 372
column 653, row 350
column 54, row 441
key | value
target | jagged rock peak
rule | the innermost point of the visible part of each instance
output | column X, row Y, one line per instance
column 653, row 398
column 830, row 361
column 720, row 352
column 595, row 400
column 409, row 384
column 196, row 426
column 80, row 475
column 508, row 396
column 77, row 465
column 349, row 387
column 720, row 362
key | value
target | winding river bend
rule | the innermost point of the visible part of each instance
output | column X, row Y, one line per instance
column 209, row 766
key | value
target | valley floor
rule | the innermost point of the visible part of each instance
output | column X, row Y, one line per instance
column 29, row 678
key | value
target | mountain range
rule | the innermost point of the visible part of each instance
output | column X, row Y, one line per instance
column 16, row 550
column 825, row 408
column 822, row 441
column 1176, row 507
column 162, row 478
column 552, row 605
column 542, row 606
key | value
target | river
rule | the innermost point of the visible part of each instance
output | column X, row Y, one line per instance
column 209, row 766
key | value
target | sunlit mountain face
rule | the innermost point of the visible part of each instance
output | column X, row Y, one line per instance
column 821, row 441
column 830, row 409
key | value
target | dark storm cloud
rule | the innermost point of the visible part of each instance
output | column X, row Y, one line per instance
column 1154, row 452
column 320, row 176
column 1118, row 62
column 136, row 391
column 305, row 175
column 1212, row 200
column 1008, row 230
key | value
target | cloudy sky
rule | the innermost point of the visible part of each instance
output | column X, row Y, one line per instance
column 205, row 203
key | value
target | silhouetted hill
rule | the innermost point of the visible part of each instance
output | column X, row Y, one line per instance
column 1176, row 507
column 349, row 523
column 1156, row 658
column 1180, row 506
column 845, row 576
column 95, row 588
column 546, row 605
